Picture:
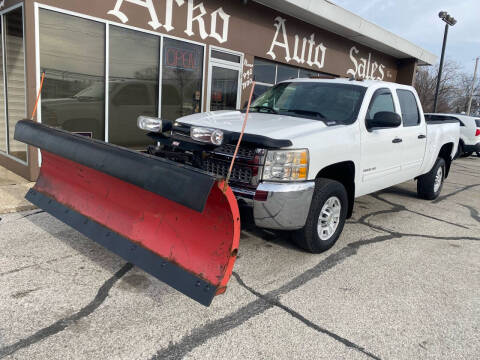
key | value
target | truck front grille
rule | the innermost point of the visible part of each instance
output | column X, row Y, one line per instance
column 228, row 150
column 240, row 174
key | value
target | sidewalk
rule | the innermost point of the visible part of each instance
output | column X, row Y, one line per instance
column 12, row 191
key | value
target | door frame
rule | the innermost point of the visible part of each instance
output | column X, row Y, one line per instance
column 226, row 65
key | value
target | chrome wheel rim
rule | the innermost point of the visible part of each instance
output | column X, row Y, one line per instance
column 438, row 179
column 329, row 218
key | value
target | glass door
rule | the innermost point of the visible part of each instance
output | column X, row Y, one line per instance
column 224, row 81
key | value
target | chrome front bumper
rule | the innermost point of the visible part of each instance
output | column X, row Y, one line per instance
column 286, row 206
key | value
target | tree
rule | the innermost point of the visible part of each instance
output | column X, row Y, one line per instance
column 454, row 91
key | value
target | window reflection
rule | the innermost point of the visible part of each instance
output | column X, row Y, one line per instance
column 182, row 78
column 264, row 71
column 72, row 54
column 133, row 85
column 224, row 89
column 15, row 73
column 285, row 72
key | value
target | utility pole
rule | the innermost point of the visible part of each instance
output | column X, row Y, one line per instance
column 473, row 87
column 449, row 21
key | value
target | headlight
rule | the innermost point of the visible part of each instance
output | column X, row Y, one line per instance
column 207, row 135
column 286, row 165
column 151, row 124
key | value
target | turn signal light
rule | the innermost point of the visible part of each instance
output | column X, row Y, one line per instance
column 261, row 195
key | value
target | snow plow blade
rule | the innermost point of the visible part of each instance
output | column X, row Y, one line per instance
column 173, row 221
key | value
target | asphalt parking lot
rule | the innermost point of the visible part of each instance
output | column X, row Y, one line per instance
column 403, row 282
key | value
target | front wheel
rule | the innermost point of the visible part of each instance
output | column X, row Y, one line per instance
column 326, row 218
column 429, row 186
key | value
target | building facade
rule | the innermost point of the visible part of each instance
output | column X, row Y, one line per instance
column 106, row 62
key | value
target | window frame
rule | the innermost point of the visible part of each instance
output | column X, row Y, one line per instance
column 377, row 93
column 108, row 23
column 226, row 65
column 5, row 90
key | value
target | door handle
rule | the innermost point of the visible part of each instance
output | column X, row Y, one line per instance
column 422, row 136
column 397, row 141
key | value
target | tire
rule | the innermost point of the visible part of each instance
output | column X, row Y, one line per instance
column 478, row 153
column 427, row 186
column 328, row 195
column 467, row 154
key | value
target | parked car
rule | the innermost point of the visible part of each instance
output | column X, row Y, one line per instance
column 311, row 147
column 469, row 131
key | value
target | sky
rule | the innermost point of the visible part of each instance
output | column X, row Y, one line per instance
column 418, row 22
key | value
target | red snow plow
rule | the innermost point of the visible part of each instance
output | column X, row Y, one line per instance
column 174, row 221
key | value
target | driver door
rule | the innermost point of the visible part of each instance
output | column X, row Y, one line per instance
column 381, row 148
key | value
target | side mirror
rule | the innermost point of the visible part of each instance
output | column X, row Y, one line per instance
column 384, row 120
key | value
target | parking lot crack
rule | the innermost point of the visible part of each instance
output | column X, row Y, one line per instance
column 62, row 324
column 277, row 303
column 465, row 188
column 211, row 330
column 399, row 207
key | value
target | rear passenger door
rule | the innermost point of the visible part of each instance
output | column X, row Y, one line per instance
column 414, row 134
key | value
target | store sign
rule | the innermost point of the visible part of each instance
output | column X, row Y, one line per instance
column 179, row 58
column 196, row 14
column 364, row 67
column 316, row 52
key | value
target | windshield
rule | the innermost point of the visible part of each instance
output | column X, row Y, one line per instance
column 328, row 102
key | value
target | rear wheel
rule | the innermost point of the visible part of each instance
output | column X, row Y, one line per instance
column 326, row 219
column 429, row 186
column 467, row 154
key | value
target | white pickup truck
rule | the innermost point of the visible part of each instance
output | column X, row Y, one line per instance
column 311, row 147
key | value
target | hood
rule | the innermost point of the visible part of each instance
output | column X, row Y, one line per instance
column 270, row 125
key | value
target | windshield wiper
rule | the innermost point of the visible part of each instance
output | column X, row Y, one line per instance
column 305, row 112
column 268, row 108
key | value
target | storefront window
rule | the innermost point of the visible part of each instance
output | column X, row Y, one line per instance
column 224, row 89
column 182, row 79
column 15, row 73
column 221, row 55
column 285, row 72
column 72, row 54
column 268, row 73
column 304, row 73
column 133, row 85
column 264, row 71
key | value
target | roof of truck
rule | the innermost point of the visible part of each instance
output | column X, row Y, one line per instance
column 363, row 83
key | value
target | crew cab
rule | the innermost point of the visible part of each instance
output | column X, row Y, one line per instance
column 311, row 147
column 469, row 131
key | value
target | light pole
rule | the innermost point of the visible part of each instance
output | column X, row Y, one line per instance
column 449, row 21
column 473, row 87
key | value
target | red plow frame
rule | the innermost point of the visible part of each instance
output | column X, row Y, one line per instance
column 175, row 222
